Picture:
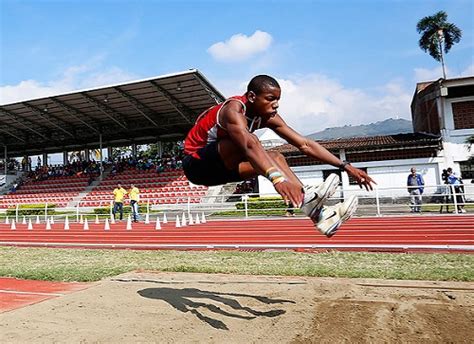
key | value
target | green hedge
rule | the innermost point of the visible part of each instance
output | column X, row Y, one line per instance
column 262, row 203
column 32, row 209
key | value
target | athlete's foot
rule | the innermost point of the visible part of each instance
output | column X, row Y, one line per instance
column 331, row 218
column 315, row 196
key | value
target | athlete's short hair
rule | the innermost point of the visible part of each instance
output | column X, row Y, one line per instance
column 260, row 82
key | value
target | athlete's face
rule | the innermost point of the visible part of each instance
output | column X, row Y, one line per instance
column 265, row 104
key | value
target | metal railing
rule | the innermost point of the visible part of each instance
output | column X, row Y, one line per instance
column 379, row 202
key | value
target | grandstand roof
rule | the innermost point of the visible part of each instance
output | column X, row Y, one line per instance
column 144, row 111
column 372, row 143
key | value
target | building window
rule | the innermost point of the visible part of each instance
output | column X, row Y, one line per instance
column 326, row 173
column 463, row 115
column 467, row 170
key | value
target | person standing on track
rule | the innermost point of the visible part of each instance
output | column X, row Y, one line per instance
column 134, row 195
column 119, row 195
column 415, row 185
column 222, row 148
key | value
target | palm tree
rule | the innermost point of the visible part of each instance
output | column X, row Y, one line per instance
column 438, row 35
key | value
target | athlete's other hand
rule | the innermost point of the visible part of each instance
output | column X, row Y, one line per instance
column 291, row 193
column 361, row 177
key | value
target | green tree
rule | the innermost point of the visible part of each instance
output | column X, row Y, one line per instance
column 438, row 35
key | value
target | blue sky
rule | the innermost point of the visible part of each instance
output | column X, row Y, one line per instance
column 338, row 62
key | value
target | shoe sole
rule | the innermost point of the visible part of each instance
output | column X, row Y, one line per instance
column 332, row 187
column 351, row 209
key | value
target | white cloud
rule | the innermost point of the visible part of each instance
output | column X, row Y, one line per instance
column 241, row 47
column 423, row 74
column 73, row 78
column 316, row 102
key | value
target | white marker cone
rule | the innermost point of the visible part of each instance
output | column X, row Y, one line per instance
column 52, row 220
column 203, row 220
column 177, row 222
column 7, row 221
column 24, row 220
column 183, row 220
column 191, row 222
column 86, row 225
column 48, row 225
column 147, row 218
column 37, row 219
column 13, row 225
column 129, row 223
column 30, row 225
column 81, row 219
column 106, row 225
column 112, row 220
column 97, row 219
column 198, row 222
column 165, row 220
column 66, row 223
column 157, row 225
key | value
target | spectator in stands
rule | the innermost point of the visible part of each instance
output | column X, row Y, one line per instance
column 134, row 194
column 222, row 148
column 458, row 189
column 119, row 195
column 415, row 185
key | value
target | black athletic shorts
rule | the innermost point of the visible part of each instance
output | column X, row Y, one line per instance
column 210, row 169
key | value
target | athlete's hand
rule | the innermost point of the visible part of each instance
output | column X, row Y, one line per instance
column 291, row 193
column 361, row 177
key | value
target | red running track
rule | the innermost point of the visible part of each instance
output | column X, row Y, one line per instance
column 16, row 293
column 392, row 234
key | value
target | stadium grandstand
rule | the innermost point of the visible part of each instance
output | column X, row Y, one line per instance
column 151, row 111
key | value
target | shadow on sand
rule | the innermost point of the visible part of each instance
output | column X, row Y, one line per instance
column 181, row 299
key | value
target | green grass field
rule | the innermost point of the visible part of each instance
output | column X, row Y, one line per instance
column 92, row 265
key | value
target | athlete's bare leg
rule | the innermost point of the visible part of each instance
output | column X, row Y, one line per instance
column 234, row 158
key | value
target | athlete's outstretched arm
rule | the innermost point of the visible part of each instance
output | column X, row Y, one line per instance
column 233, row 120
column 317, row 151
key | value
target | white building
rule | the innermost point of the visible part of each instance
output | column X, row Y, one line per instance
column 443, row 119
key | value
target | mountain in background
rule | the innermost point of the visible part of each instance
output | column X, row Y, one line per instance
column 389, row 126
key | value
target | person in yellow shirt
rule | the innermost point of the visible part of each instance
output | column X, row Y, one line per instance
column 119, row 195
column 134, row 194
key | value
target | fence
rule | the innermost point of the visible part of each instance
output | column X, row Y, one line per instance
column 435, row 199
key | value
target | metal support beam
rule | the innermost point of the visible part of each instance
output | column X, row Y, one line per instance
column 8, row 132
column 100, row 157
column 49, row 118
column 182, row 109
column 24, row 123
column 139, row 106
column 106, row 110
column 6, row 162
column 80, row 116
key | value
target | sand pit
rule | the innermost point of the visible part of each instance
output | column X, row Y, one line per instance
column 202, row 308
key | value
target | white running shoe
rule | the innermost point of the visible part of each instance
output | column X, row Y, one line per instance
column 315, row 196
column 331, row 218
